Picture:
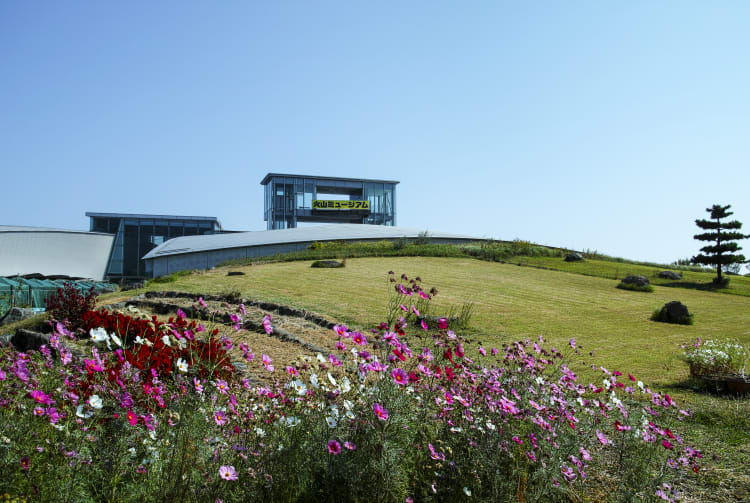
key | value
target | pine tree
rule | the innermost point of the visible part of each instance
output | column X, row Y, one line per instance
column 724, row 234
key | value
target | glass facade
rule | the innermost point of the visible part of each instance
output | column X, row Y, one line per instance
column 136, row 235
column 288, row 200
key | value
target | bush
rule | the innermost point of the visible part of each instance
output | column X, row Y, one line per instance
column 661, row 315
column 635, row 288
column 716, row 358
column 70, row 304
column 327, row 264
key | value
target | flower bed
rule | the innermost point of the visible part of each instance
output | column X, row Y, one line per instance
column 402, row 412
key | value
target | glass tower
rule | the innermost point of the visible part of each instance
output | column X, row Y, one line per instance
column 291, row 199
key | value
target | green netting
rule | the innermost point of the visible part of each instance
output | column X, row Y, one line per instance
column 22, row 292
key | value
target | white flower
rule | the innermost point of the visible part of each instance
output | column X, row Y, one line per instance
column 292, row 421
column 182, row 365
column 314, row 380
column 84, row 413
column 299, row 387
column 332, row 379
column 350, row 415
column 467, row 492
column 116, row 339
column 260, row 432
column 321, row 358
column 166, row 341
column 181, row 343
column 346, row 386
column 348, row 404
column 95, row 401
column 640, row 384
column 99, row 335
column 331, row 421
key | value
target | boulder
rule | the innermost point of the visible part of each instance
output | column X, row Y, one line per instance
column 670, row 275
column 17, row 314
column 640, row 281
column 28, row 340
column 573, row 257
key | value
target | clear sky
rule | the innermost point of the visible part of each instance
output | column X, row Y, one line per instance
column 608, row 126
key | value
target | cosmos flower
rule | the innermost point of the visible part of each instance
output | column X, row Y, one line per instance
column 228, row 472
column 380, row 411
column 334, row 447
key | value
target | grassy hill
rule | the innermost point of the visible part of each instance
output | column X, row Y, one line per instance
column 510, row 302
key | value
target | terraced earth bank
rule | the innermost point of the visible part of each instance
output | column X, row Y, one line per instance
column 296, row 332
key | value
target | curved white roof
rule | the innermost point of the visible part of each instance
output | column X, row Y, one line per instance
column 79, row 254
column 335, row 232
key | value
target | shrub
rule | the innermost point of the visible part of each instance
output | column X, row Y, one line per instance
column 661, row 314
column 69, row 304
column 327, row 264
column 716, row 358
column 635, row 288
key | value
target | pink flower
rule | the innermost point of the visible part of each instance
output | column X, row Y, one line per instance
column 25, row 463
column 267, row 362
column 403, row 307
column 424, row 325
column 291, row 371
column 359, row 339
column 267, row 324
column 482, row 351
column 400, row 376
column 220, row 417
column 334, row 361
column 380, row 411
column 334, row 447
column 585, row 454
column 228, row 472
column 414, row 310
column 41, row 397
column 601, row 437
column 572, row 343
column 439, row 456
column 443, row 323
column 221, row 385
column 132, row 418
column 350, row 445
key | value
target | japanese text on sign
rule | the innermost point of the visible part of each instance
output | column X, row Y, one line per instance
column 322, row 204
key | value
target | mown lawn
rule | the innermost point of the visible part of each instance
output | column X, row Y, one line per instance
column 512, row 302
column 738, row 285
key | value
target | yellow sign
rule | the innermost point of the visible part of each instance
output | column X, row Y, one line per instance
column 322, row 204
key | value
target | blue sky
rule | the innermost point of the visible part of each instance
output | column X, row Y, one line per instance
column 591, row 125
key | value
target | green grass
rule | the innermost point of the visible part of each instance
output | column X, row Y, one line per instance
column 611, row 269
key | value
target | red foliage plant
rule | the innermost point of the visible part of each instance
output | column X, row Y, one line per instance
column 160, row 345
column 70, row 304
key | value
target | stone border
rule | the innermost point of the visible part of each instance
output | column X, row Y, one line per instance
column 168, row 308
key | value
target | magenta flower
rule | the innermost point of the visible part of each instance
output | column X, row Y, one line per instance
column 228, row 472
column 25, row 462
column 291, row 371
column 359, row 339
column 220, row 417
column 482, row 351
column 572, row 343
column 601, row 437
column 267, row 362
column 380, row 411
column 267, row 324
column 443, row 323
column 350, row 445
column 424, row 325
column 41, row 397
column 334, row 447
column 414, row 310
column 400, row 376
